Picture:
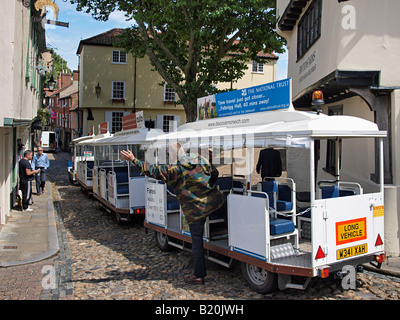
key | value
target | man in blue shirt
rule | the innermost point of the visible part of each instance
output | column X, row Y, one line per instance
column 40, row 162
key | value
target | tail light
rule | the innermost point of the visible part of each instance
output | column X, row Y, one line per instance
column 323, row 273
column 139, row 211
column 380, row 258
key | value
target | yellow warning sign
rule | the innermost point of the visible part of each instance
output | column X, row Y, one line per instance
column 351, row 230
column 379, row 211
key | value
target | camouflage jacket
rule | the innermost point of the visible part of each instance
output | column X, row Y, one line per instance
column 192, row 180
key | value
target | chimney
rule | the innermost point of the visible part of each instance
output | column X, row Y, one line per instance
column 64, row 80
column 75, row 75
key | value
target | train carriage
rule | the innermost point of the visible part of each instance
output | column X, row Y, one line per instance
column 309, row 223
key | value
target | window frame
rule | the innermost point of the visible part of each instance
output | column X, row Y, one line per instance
column 115, row 122
column 330, row 163
column 172, row 92
column 256, row 65
column 119, row 52
column 309, row 28
column 113, row 97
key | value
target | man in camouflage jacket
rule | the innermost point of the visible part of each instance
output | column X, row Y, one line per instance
column 192, row 178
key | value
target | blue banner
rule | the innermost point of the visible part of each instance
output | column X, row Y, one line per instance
column 267, row 97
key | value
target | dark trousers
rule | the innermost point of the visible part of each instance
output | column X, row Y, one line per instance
column 26, row 189
column 197, row 231
column 40, row 180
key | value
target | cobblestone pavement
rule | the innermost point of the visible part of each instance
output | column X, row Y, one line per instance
column 102, row 260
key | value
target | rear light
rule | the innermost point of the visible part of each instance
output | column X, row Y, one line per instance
column 380, row 258
column 324, row 273
column 378, row 241
column 320, row 254
column 139, row 211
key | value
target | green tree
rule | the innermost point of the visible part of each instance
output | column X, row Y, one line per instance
column 194, row 44
column 60, row 65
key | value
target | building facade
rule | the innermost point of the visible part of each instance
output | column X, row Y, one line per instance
column 63, row 103
column 22, row 45
column 114, row 84
column 348, row 49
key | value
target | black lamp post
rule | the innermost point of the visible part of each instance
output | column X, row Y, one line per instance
column 51, row 83
column 98, row 89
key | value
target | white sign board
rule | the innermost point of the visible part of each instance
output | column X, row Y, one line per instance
column 156, row 203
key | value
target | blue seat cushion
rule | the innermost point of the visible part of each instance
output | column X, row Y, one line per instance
column 284, row 205
column 224, row 183
column 123, row 189
column 90, row 164
column 346, row 193
column 121, row 176
column 172, row 203
column 269, row 186
column 330, row 192
column 279, row 226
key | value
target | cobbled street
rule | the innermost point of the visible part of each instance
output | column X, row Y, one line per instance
column 102, row 260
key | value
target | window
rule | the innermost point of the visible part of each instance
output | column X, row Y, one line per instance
column 116, row 122
column 258, row 67
column 167, row 123
column 331, row 149
column 118, row 57
column 118, row 90
column 309, row 29
column 169, row 93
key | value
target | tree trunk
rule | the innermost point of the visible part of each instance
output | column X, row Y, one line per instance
column 190, row 110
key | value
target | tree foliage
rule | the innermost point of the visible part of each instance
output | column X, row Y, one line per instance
column 60, row 65
column 194, row 44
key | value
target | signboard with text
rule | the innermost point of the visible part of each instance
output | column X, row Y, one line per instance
column 267, row 97
column 133, row 121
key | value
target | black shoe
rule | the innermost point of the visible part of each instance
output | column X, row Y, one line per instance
column 194, row 280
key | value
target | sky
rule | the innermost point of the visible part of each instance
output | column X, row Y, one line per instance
column 65, row 41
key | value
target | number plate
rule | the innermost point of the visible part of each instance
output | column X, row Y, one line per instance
column 351, row 251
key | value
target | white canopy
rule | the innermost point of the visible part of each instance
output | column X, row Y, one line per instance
column 288, row 128
column 134, row 136
column 94, row 139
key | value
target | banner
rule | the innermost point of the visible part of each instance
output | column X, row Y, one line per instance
column 267, row 97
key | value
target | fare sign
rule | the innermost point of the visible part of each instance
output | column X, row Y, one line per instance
column 351, row 230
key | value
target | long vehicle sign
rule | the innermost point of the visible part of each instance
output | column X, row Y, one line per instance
column 351, row 230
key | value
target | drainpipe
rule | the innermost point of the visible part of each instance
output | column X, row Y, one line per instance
column 134, row 89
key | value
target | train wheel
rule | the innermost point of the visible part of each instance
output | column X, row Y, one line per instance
column 162, row 241
column 260, row 280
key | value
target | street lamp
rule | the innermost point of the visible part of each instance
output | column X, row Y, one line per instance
column 98, row 89
column 51, row 83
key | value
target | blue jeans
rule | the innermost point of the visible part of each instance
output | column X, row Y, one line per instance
column 40, row 180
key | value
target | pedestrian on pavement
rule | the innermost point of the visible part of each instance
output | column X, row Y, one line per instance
column 40, row 162
column 25, row 177
column 192, row 178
